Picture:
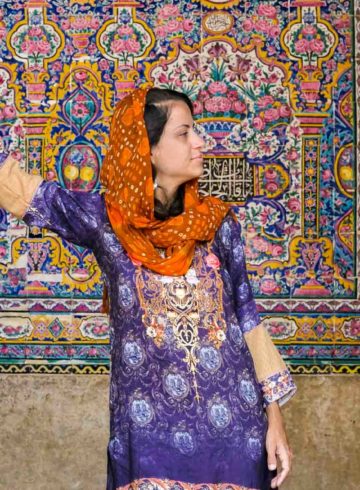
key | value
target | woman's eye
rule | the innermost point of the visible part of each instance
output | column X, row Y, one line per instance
column 184, row 134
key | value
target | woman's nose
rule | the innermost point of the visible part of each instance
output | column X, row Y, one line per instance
column 198, row 141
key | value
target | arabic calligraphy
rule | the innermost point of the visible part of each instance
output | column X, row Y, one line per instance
column 228, row 178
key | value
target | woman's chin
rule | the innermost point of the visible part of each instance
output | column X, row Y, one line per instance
column 196, row 173
column 198, row 169
column 196, row 176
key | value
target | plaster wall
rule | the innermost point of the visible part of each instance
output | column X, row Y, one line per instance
column 54, row 432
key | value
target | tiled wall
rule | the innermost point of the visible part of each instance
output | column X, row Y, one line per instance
column 273, row 86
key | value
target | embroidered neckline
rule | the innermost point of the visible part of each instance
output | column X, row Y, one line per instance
column 173, row 301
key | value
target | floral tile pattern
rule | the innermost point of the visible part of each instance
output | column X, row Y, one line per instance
column 273, row 86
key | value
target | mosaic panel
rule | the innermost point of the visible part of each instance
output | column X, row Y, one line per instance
column 273, row 86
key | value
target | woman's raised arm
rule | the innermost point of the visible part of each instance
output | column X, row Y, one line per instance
column 73, row 215
column 17, row 188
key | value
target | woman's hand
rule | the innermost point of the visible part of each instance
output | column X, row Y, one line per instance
column 277, row 446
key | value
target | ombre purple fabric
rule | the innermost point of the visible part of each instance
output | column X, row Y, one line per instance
column 3, row 157
column 185, row 405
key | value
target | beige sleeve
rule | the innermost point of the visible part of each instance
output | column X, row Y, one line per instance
column 274, row 377
column 17, row 187
column 267, row 360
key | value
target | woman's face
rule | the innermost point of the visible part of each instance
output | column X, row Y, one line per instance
column 177, row 157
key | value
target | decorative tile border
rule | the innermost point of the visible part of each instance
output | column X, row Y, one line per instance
column 50, row 292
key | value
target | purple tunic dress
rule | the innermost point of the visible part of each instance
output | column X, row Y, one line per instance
column 186, row 410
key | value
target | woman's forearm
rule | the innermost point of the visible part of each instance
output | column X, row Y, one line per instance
column 273, row 412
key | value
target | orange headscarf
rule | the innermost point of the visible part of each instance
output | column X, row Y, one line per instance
column 127, row 177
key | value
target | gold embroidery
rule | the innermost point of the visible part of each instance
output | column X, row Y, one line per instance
column 174, row 302
column 183, row 313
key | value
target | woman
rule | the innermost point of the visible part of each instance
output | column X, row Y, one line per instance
column 192, row 369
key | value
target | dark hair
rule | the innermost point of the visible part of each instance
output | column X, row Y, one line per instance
column 156, row 115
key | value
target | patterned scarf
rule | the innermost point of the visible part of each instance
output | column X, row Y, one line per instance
column 127, row 177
